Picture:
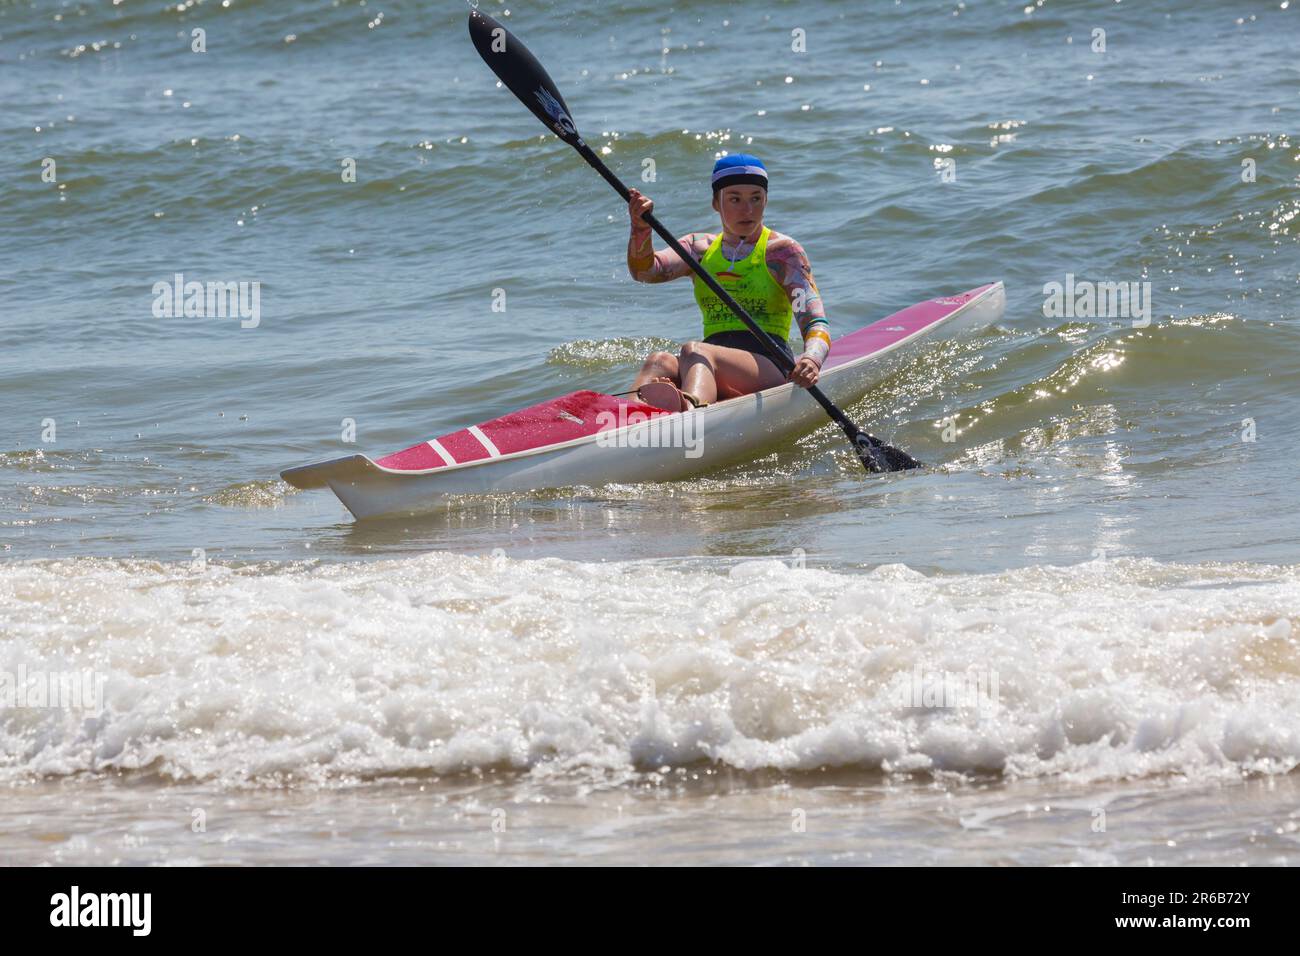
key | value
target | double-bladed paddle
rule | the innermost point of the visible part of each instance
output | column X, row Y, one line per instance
column 519, row 70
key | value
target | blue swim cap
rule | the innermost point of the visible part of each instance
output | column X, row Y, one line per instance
column 741, row 169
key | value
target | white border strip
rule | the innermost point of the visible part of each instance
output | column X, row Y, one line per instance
column 738, row 171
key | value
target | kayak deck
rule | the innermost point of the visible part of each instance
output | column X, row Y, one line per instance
column 561, row 441
column 564, row 419
column 548, row 424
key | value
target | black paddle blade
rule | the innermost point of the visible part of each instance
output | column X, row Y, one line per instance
column 877, row 456
column 519, row 70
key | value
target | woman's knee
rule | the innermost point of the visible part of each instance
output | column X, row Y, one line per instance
column 661, row 359
column 697, row 352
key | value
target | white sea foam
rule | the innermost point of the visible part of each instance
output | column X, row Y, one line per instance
column 320, row 673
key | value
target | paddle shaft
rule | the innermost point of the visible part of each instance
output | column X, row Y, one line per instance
column 778, row 357
column 521, row 73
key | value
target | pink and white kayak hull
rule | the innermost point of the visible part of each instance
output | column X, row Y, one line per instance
column 587, row 438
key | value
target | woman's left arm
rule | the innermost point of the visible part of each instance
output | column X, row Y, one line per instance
column 789, row 264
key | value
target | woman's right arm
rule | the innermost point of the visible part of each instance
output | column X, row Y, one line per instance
column 645, row 264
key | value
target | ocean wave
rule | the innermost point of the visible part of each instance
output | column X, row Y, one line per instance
column 273, row 675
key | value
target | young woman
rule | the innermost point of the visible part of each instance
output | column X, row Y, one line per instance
column 765, row 271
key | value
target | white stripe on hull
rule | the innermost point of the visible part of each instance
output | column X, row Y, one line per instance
column 483, row 440
column 441, row 452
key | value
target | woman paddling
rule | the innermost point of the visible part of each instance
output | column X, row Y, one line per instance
column 765, row 271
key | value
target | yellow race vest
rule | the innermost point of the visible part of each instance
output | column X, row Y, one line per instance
column 750, row 283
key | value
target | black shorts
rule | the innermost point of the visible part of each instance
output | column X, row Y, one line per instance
column 744, row 339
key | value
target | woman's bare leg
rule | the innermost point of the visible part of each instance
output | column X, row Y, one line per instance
column 658, row 366
column 710, row 372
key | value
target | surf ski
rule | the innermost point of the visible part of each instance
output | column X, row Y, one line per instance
column 590, row 438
